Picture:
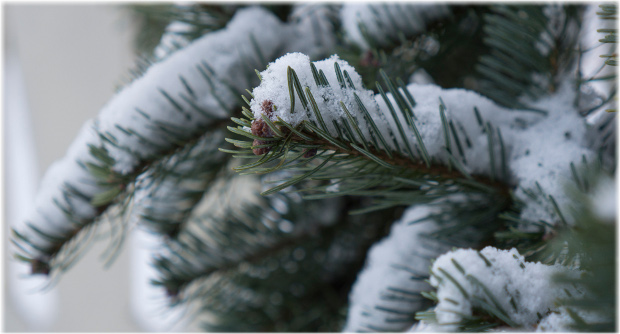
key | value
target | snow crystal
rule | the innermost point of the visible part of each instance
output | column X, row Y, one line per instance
column 521, row 289
column 391, row 264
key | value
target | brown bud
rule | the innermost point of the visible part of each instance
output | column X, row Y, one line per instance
column 260, row 150
column 267, row 108
column 261, row 129
column 369, row 60
column 309, row 153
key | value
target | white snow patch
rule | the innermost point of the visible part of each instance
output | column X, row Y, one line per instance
column 543, row 152
column 274, row 88
column 508, row 278
column 391, row 263
column 172, row 39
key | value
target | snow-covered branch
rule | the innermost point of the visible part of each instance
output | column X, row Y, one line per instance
column 427, row 123
column 175, row 100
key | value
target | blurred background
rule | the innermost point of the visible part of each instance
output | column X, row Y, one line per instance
column 62, row 63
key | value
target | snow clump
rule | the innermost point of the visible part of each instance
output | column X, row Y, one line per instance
column 521, row 290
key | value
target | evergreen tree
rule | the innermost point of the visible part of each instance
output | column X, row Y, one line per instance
column 373, row 167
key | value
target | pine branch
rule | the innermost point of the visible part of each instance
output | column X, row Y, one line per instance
column 604, row 125
column 360, row 157
column 122, row 145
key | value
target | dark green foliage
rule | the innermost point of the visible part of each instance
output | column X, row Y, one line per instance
column 270, row 264
column 529, row 52
column 591, row 245
column 447, row 50
column 460, row 46
column 529, row 237
column 496, row 50
column 468, row 222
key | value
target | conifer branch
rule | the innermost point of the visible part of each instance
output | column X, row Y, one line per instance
column 351, row 154
column 133, row 133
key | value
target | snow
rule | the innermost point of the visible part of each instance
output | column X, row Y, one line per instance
column 48, row 216
column 274, row 87
column 421, row 77
column 387, row 21
column 561, row 321
column 544, row 151
column 172, row 39
column 508, row 277
column 405, row 247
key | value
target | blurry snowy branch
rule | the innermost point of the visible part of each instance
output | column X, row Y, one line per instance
column 148, row 120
